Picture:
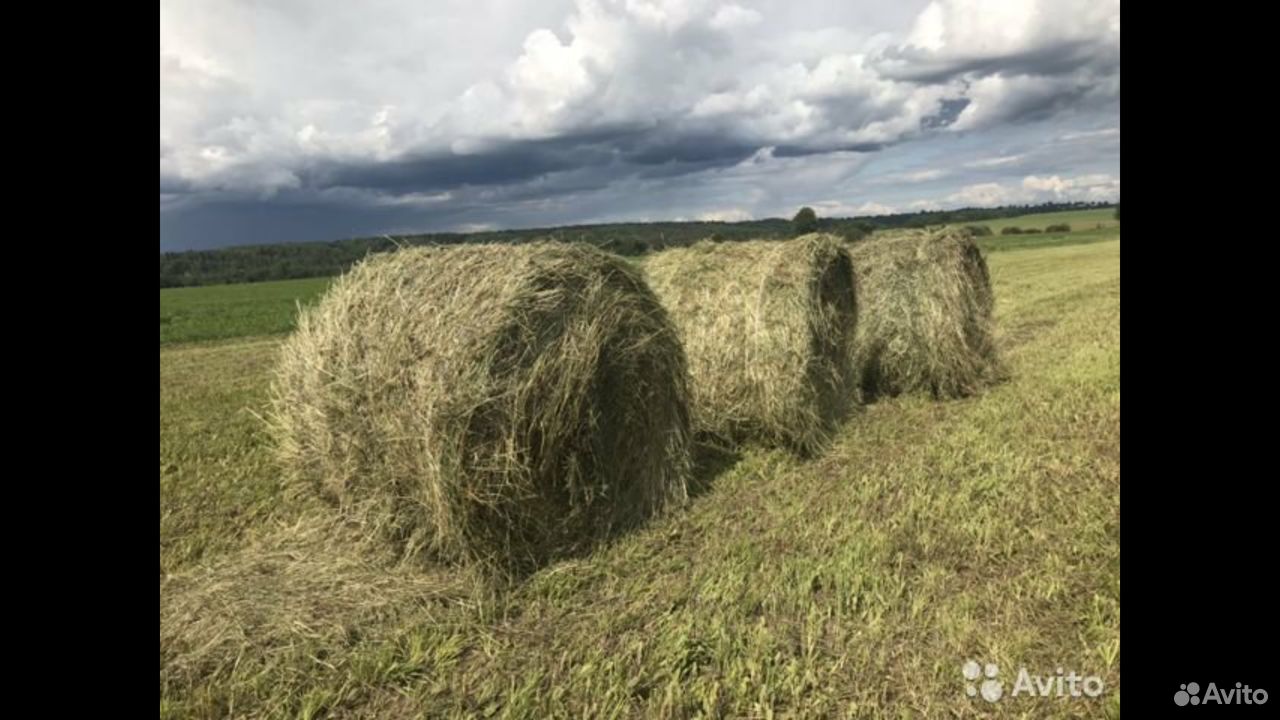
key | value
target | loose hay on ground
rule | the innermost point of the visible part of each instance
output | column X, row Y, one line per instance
column 926, row 315
column 766, row 326
column 502, row 405
column 305, row 591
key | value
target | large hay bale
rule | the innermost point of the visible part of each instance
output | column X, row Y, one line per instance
column 766, row 326
column 926, row 320
column 503, row 405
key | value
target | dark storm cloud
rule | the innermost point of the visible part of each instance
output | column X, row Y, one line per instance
column 170, row 185
column 786, row 151
column 701, row 148
column 622, row 151
column 506, row 162
column 910, row 64
column 251, row 221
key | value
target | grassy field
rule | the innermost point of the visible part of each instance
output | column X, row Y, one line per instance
column 1003, row 243
column 853, row 585
column 1079, row 220
column 1086, row 226
column 218, row 312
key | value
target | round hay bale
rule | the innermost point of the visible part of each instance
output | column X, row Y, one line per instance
column 926, row 322
column 766, row 325
column 503, row 405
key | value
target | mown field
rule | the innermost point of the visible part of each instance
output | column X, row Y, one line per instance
column 852, row 585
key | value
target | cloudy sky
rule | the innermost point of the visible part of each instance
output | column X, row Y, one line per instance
column 288, row 120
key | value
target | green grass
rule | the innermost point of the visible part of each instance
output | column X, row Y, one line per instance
column 1087, row 226
column 853, row 585
column 999, row 243
column 217, row 312
column 1077, row 219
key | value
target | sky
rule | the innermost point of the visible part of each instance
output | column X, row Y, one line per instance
column 295, row 120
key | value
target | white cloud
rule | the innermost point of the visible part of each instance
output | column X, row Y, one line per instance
column 1000, row 161
column 1098, row 187
column 413, row 199
column 874, row 208
column 844, row 208
column 731, row 17
column 1086, row 187
column 915, row 176
column 1018, row 58
column 1090, row 134
column 917, row 205
column 959, row 33
column 984, row 194
column 726, row 215
column 998, row 98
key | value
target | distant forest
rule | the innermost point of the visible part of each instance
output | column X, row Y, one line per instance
column 255, row 263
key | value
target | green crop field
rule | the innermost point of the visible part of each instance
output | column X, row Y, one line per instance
column 1086, row 226
column 1000, row 243
column 1104, row 219
column 855, row 584
column 216, row 312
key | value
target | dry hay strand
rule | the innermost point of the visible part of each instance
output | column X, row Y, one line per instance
column 307, row 591
column 499, row 405
column 926, row 320
column 766, row 325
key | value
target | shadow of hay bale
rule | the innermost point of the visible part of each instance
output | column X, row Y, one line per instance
column 711, row 459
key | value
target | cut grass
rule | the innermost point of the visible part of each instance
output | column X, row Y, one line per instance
column 217, row 477
column 854, row 585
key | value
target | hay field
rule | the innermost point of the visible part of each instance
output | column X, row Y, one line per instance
column 850, row 585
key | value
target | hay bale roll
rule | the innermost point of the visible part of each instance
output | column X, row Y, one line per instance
column 497, row 404
column 926, row 322
column 766, row 326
